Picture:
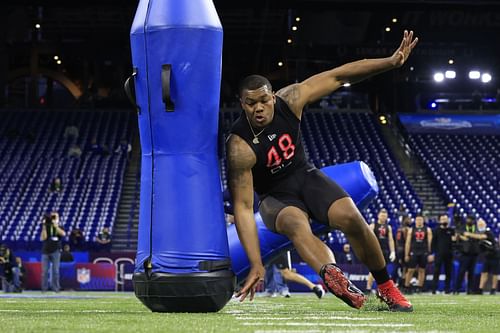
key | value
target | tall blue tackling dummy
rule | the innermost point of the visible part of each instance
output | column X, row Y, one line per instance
column 182, row 262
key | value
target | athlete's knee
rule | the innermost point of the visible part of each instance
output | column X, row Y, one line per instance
column 292, row 223
column 350, row 221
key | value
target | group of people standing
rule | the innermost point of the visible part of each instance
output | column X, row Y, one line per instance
column 412, row 247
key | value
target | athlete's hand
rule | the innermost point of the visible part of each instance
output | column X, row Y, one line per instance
column 403, row 52
column 255, row 277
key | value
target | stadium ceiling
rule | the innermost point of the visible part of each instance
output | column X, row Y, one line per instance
column 256, row 33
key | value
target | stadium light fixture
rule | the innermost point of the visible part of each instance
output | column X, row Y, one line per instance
column 486, row 77
column 451, row 61
column 450, row 74
column 394, row 20
column 37, row 26
column 56, row 57
column 474, row 75
column 294, row 28
column 438, row 77
column 297, row 19
column 387, row 29
column 280, row 63
column 347, row 84
column 289, row 41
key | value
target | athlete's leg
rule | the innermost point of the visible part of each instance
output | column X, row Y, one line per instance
column 290, row 275
column 345, row 216
column 369, row 282
column 421, row 277
column 294, row 223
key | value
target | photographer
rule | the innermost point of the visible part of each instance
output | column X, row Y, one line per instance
column 490, row 253
column 9, row 272
column 51, row 250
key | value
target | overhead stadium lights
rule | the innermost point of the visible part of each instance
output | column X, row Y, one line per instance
column 297, row 19
column 294, row 28
column 289, row 41
column 451, row 61
column 394, row 20
column 486, row 77
column 474, row 75
column 450, row 74
column 387, row 29
column 280, row 63
column 37, row 26
column 438, row 77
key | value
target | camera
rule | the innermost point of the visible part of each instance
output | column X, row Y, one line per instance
column 47, row 219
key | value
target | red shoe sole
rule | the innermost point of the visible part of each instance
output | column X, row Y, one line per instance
column 338, row 285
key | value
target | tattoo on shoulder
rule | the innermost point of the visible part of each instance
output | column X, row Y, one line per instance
column 290, row 94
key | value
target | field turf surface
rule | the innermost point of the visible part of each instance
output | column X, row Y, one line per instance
column 123, row 312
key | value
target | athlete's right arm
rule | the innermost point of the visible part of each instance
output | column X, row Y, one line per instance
column 408, row 245
column 241, row 159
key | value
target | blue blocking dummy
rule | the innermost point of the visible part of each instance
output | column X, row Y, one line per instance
column 355, row 178
column 182, row 262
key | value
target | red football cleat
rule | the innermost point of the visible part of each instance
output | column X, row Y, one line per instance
column 391, row 295
column 339, row 285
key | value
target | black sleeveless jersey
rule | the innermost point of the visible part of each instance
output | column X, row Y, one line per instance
column 382, row 233
column 419, row 240
column 279, row 150
column 401, row 238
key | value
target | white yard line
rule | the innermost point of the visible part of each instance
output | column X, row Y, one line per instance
column 329, row 324
column 308, row 318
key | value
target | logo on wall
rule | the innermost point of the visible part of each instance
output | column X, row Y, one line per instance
column 446, row 123
column 83, row 275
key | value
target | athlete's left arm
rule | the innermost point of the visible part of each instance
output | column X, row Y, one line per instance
column 391, row 239
column 392, row 255
column 310, row 90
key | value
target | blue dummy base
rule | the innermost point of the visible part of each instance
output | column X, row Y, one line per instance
column 197, row 292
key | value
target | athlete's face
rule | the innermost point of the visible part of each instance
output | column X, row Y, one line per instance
column 258, row 105
column 443, row 221
column 419, row 222
column 382, row 217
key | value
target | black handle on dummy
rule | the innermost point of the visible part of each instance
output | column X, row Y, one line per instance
column 166, row 74
column 128, row 91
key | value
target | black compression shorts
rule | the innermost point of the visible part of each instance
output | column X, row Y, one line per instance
column 419, row 260
column 308, row 189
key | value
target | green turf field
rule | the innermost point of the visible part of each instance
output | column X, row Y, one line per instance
column 122, row 312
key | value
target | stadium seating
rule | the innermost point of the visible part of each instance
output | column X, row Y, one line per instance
column 466, row 167
column 34, row 150
column 339, row 137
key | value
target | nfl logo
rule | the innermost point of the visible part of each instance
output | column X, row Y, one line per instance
column 83, row 275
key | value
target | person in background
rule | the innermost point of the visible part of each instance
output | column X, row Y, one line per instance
column 383, row 232
column 417, row 252
column 56, row 185
column 401, row 266
column 469, row 252
column 490, row 254
column 442, row 249
column 51, row 250
column 104, row 240
column 277, row 284
column 346, row 256
column 66, row 255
